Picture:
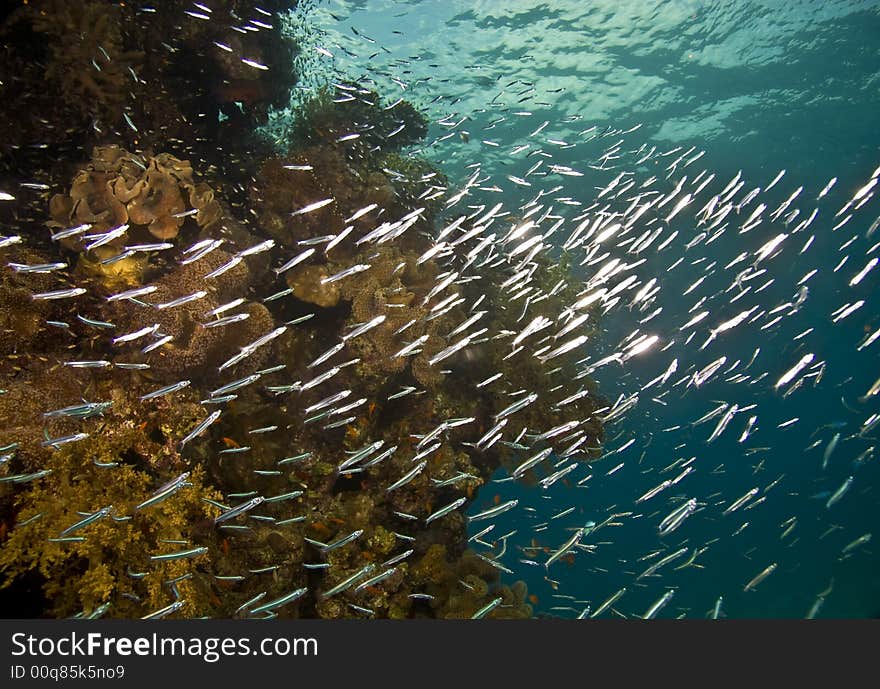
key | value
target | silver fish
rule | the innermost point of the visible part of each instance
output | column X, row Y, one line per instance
column 347, row 583
column 494, row 511
column 180, row 301
column 278, row 602
column 59, row 294
column 233, row 512
column 364, row 327
column 406, row 478
column 174, row 387
column 200, row 427
column 658, row 605
column 89, row 519
column 839, row 493
column 443, row 511
column 353, row 270
column 313, row 207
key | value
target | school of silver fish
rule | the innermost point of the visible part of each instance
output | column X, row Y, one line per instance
column 719, row 301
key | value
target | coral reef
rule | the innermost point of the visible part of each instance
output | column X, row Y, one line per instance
column 22, row 320
column 289, row 184
column 306, row 283
column 195, row 350
column 122, row 464
column 322, row 121
column 321, row 436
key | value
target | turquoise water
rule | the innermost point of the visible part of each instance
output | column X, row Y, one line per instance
column 755, row 88
column 767, row 85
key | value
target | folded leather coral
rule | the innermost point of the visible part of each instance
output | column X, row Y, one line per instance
column 146, row 192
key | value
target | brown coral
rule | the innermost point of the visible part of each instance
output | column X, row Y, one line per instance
column 305, row 281
column 22, row 320
column 284, row 190
column 117, row 187
column 195, row 350
column 88, row 59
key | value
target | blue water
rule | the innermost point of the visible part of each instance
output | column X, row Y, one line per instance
column 760, row 87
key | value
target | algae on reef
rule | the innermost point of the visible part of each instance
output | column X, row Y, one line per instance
column 273, row 438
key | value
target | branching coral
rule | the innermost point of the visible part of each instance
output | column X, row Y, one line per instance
column 107, row 561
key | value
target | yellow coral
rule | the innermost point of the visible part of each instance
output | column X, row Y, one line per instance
column 82, row 574
column 306, row 284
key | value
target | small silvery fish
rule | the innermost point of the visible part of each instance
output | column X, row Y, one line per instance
column 64, row 440
column 576, row 537
column 179, row 555
column 486, row 609
column 94, row 323
column 313, row 207
column 362, row 212
column 133, row 293
column 101, row 363
column 80, row 411
column 233, row 512
column 443, row 511
column 89, row 519
column 494, row 511
column 59, row 294
column 406, row 478
column 229, row 265
column 36, row 268
column 763, row 574
column 347, row 583
column 372, row 581
column 130, row 337
column 363, row 328
column 235, row 385
column 200, row 428
column 353, row 270
column 226, row 320
column 675, row 518
column 164, row 612
column 257, row 248
column 180, row 301
column 158, row 343
column 162, row 494
column 296, row 260
column 174, row 387
column 278, row 602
